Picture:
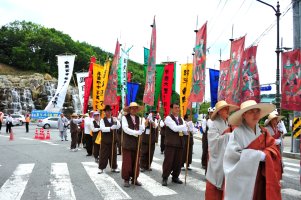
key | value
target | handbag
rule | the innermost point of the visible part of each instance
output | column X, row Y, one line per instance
column 98, row 138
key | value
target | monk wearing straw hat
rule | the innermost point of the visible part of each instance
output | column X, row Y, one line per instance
column 132, row 127
column 217, row 142
column 252, row 163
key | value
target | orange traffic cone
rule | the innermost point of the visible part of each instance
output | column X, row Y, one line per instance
column 48, row 135
column 42, row 135
column 11, row 136
column 36, row 136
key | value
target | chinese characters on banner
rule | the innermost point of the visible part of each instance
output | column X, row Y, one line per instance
column 65, row 67
column 199, row 66
column 100, row 80
column 185, row 86
column 166, row 89
column 249, row 83
column 111, row 90
column 291, row 80
column 81, row 86
column 149, row 91
column 223, row 77
column 233, row 92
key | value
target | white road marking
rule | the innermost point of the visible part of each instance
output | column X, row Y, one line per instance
column 289, row 176
column 291, row 169
column 4, row 136
column 60, row 183
column 107, row 186
column 152, row 186
column 49, row 143
column 156, row 159
column 24, row 138
column 291, row 192
column 195, row 183
column 14, row 187
column 197, row 160
column 292, row 164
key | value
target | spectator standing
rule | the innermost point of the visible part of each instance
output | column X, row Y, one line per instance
column 9, row 123
column 27, row 120
column 62, row 126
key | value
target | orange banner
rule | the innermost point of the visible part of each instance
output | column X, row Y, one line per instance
column 185, row 86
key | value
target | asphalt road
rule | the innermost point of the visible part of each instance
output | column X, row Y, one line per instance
column 34, row 169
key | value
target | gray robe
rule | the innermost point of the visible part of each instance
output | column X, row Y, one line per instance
column 61, row 123
column 216, row 147
column 241, row 164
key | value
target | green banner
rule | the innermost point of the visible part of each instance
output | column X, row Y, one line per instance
column 158, row 85
column 146, row 55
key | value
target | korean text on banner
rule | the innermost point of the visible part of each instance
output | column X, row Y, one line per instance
column 185, row 86
column 167, row 81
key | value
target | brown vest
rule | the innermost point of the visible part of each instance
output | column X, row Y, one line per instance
column 107, row 137
column 73, row 127
column 172, row 138
column 95, row 126
column 152, row 136
column 130, row 142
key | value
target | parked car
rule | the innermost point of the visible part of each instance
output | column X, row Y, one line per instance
column 49, row 122
column 18, row 119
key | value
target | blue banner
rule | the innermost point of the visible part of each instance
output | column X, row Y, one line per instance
column 132, row 90
column 42, row 114
column 214, row 77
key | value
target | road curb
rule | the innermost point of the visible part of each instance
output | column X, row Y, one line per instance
column 285, row 154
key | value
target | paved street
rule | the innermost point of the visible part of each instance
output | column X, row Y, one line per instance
column 34, row 169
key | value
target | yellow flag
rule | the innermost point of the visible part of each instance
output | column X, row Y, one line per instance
column 100, row 81
column 185, row 86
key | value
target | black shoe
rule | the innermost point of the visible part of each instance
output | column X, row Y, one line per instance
column 149, row 169
column 161, row 152
column 189, row 168
column 177, row 180
column 100, row 172
column 164, row 182
column 89, row 155
column 66, row 140
column 62, row 140
column 142, row 170
column 115, row 170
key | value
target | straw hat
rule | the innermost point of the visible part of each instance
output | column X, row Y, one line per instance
column 271, row 116
column 220, row 105
column 133, row 104
column 265, row 108
column 74, row 115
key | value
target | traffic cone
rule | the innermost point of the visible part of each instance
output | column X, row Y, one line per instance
column 42, row 135
column 36, row 136
column 11, row 136
column 48, row 135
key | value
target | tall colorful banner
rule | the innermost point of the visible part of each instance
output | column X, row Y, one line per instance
column 249, row 84
column 233, row 91
column 88, row 85
column 132, row 90
column 291, row 80
column 65, row 68
column 122, row 75
column 185, row 86
column 149, row 91
column 223, row 77
column 214, row 78
column 80, row 77
column 111, row 90
column 199, row 66
column 100, row 80
column 174, row 94
column 166, row 89
column 146, row 55
column 115, row 108
column 158, row 84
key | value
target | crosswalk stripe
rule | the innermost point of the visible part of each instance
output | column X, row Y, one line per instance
column 292, row 164
column 291, row 169
column 49, row 143
column 156, row 159
column 14, row 187
column 195, row 183
column 60, row 182
column 152, row 186
column 291, row 192
column 107, row 186
column 289, row 176
column 197, row 160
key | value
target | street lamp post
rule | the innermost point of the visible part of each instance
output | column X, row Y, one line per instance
column 278, row 51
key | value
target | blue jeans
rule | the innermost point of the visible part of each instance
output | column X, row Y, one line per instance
column 63, row 134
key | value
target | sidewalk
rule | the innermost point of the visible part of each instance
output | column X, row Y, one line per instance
column 287, row 147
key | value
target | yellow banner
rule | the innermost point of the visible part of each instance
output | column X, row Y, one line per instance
column 185, row 86
column 100, row 81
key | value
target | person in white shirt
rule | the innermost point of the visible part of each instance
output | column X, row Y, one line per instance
column 87, row 130
column 9, row 123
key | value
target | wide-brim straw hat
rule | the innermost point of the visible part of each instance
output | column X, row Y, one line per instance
column 265, row 109
column 74, row 115
column 220, row 105
column 133, row 104
column 271, row 116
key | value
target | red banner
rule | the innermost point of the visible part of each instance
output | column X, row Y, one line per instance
column 115, row 108
column 111, row 90
column 223, row 77
column 167, row 87
column 88, row 85
column 249, row 84
column 291, row 81
column 149, row 91
column 199, row 66
column 233, row 82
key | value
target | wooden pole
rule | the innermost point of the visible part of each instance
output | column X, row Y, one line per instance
column 113, row 143
column 187, row 153
column 137, row 156
column 149, row 144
